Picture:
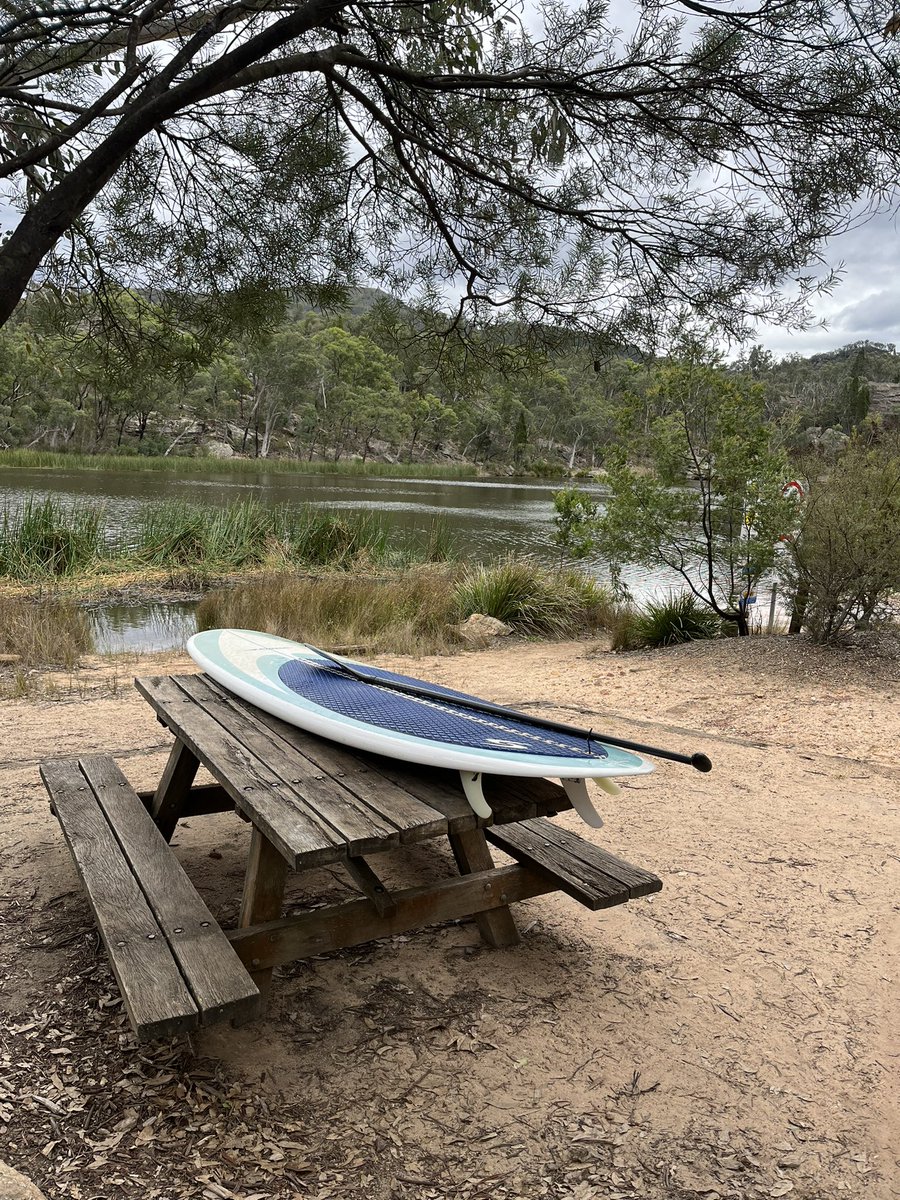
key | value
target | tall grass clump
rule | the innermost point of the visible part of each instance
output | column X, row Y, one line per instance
column 439, row 545
column 44, row 539
column 678, row 618
column 177, row 534
column 534, row 599
column 316, row 537
column 44, row 632
column 405, row 613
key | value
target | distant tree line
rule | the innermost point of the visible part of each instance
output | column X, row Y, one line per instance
column 377, row 381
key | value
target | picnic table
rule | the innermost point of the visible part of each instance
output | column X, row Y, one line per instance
column 308, row 803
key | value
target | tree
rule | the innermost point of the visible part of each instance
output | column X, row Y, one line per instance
column 213, row 150
column 844, row 560
column 711, row 506
column 356, row 393
column 575, row 513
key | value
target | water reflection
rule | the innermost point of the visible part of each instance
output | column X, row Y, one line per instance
column 141, row 628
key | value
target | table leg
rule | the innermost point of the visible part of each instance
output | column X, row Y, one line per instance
column 169, row 798
column 471, row 851
column 263, row 897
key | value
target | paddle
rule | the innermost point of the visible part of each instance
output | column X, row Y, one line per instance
column 700, row 762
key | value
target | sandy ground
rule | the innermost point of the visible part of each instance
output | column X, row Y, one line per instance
column 735, row 1035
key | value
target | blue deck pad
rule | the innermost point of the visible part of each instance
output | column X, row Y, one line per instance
column 422, row 717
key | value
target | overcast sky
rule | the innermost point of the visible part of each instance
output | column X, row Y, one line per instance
column 866, row 301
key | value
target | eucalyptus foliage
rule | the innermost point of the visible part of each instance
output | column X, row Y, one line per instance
column 590, row 169
column 844, row 562
column 708, row 504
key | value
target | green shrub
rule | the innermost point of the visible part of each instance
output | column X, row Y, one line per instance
column 679, row 618
column 843, row 568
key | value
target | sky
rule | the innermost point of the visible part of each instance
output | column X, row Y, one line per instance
column 865, row 304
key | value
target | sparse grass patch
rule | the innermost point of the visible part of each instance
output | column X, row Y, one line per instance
column 622, row 628
column 48, row 631
column 404, row 613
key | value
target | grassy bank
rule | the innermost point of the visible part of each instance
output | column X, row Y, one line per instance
column 44, row 540
column 203, row 465
column 416, row 611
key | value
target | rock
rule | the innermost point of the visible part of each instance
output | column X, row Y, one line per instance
column 14, row 1186
column 480, row 629
column 218, row 450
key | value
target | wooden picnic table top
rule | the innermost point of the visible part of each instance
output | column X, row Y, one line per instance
column 315, row 801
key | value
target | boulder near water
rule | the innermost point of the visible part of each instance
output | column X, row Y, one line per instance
column 480, row 629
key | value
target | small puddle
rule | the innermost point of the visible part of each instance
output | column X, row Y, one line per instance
column 142, row 628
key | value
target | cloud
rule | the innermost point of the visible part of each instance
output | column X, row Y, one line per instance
column 865, row 303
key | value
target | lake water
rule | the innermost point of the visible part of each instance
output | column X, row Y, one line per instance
column 487, row 519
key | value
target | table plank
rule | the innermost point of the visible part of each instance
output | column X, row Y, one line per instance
column 255, row 789
column 586, row 872
column 390, row 799
column 322, row 798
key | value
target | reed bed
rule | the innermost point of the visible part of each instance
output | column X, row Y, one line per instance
column 45, row 540
column 205, row 465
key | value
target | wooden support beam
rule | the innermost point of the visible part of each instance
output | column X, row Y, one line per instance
column 168, row 799
column 201, row 800
column 262, row 901
column 369, row 883
column 358, row 921
column 471, row 851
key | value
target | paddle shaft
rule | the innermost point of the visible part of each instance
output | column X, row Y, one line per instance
column 700, row 762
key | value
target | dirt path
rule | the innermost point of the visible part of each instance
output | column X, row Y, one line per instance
column 733, row 1036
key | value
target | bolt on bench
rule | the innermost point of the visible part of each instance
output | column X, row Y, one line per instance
column 309, row 803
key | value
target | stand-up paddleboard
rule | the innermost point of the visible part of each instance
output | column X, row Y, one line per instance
column 359, row 705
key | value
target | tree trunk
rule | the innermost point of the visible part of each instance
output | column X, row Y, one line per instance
column 798, row 608
column 56, row 211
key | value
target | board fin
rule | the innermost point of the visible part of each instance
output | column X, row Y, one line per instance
column 576, row 790
column 471, row 781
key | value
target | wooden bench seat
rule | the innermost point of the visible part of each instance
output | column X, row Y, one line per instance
column 594, row 877
column 174, row 965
